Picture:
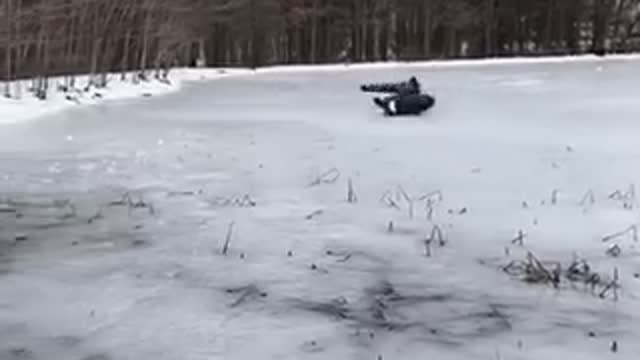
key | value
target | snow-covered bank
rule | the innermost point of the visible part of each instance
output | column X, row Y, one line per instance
column 27, row 107
column 450, row 63
column 24, row 106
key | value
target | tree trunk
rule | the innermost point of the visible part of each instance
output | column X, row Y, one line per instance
column 124, row 64
column 8, row 48
column 428, row 29
column 489, row 28
column 600, row 20
column 314, row 32
column 548, row 28
column 145, row 40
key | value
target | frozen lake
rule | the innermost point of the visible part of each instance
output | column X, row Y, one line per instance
column 113, row 220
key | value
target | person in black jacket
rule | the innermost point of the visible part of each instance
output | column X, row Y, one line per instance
column 411, row 104
column 407, row 98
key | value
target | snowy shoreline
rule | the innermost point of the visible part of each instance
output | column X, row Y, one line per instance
column 26, row 107
column 450, row 63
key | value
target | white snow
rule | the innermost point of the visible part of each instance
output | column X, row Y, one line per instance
column 24, row 106
column 547, row 149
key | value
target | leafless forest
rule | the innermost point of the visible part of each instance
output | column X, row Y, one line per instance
column 55, row 37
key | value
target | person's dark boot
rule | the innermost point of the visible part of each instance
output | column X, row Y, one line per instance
column 382, row 104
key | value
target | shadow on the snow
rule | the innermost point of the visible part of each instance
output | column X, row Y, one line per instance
column 441, row 317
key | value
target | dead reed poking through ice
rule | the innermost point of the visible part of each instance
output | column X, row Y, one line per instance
column 628, row 197
column 408, row 199
column 633, row 230
column 395, row 197
column 328, row 177
column 534, row 271
column 351, row 193
column 589, row 197
column 436, row 235
column 227, row 240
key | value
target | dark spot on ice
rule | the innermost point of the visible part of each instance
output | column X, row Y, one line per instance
column 21, row 237
column 314, row 267
column 68, row 341
column 591, row 334
column 97, row 357
column 138, row 242
column 21, row 353
column 246, row 293
column 289, row 253
column 74, row 243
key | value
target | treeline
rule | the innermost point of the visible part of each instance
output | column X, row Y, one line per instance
column 53, row 37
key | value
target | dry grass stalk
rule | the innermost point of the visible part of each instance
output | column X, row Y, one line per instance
column 628, row 197
column 388, row 200
column 227, row 240
column 351, row 194
column 436, row 235
column 614, row 250
column 328, row 177
column 519, row 240
column 554, row 197
column 314, row 214
column 537, row 272
column 612, row 285
column 125, row 200
column 395, row 197
column 408, row 199
column 589, row 197
column 633, row 230
column 427, row 247
column 235, row 200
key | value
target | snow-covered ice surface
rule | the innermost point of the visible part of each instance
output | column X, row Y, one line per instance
column 308, row 275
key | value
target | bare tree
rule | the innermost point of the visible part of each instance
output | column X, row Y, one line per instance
column 43, row 38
